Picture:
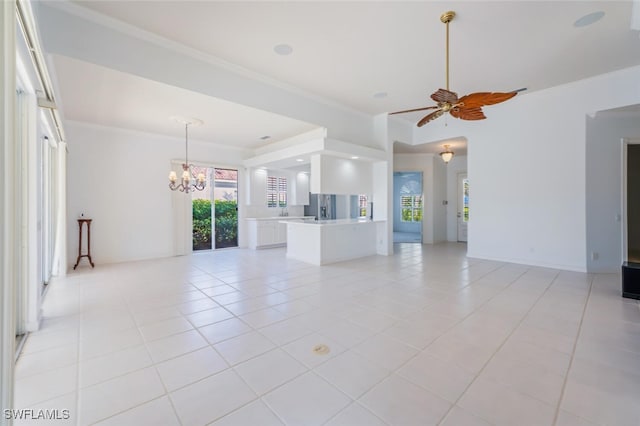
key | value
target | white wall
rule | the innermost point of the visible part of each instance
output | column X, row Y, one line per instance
column 382, row 205
column 526, row 163
column 439, row 197
column 385, row 133
column 333, row 175
column 456, row 166
column 119, row 178
column 604, row 191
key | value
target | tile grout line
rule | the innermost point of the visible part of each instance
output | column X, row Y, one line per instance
column 208, row 344
column 501, row 345
column 419, row 259
column 167, row 393
column 307, row 371
column 394, row 371
column 153, row 365
column 78, row 351
column 353, row 401
column 232, row 368
column 457, row 322
column 573, row 353
column 164, row 386
column 133, row 408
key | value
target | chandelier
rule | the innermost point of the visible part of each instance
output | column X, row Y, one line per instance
column 447, row 154
column 190, row 181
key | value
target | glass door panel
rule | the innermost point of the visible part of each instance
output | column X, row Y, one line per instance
column 225, row 196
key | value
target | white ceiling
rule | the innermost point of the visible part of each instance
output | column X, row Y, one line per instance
column 99, row 95
column 348, row 51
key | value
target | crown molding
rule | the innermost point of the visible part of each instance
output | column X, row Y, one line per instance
column 133, row 132
column 136, row 32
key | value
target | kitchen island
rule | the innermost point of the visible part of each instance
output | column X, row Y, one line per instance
column 328, row 241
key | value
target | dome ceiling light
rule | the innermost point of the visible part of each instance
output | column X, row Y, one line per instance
column 447, row 154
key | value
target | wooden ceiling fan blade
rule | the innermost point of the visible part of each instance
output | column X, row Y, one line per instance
column 468, row 107
column 445, row 96
column 413, row 110
column 474, row 113
column 430, row 117
column 479, row 99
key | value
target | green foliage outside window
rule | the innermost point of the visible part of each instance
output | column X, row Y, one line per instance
column 201, row 224
column 411, row 208
column 226, row 224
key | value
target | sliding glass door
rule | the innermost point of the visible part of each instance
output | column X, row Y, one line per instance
column 215, row 210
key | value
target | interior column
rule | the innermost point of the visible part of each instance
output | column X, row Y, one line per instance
column 8, row 209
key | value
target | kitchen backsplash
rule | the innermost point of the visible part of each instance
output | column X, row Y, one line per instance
column 264, row 211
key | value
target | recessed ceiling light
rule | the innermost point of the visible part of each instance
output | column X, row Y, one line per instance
column 283, row 49
column 299, row 160
column 264, row 138
column 380, row 95
column 589, row 19
column 355, row 157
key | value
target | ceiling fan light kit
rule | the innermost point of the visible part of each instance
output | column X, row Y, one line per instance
column 468, row 107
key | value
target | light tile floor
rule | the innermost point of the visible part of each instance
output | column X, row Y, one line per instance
column 407, row 237
column 426, row 336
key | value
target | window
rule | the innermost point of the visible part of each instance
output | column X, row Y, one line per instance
column 276, row 191
column 362, row 205
column 411, row 206
column 465, row 200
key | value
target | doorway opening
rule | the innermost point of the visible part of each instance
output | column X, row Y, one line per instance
column 408, row 207
column 631, row 203
column 463, row 207
column 215, row 211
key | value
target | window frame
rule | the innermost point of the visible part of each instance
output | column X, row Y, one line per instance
column 362, row 205
column 413, row 205
column 277, row 192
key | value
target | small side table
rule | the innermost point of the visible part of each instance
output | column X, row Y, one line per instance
column 81, row 222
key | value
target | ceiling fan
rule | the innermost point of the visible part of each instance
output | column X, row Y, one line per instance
column 468, row 107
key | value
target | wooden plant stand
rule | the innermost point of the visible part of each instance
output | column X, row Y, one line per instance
column 81, row 222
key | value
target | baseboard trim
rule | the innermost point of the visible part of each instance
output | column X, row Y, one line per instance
column 572, row 268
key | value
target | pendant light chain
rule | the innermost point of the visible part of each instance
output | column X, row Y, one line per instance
column 186, row 143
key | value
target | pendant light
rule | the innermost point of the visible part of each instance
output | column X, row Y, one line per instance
column 447, row 154
column 189, row 181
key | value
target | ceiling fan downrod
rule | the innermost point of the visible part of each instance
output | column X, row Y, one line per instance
column 468, row 107
column 446, row 18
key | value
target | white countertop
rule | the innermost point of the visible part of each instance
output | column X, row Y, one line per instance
column 334, row 222
column 280, row 218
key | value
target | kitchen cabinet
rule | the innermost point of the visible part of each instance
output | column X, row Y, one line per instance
column 266, row 234
column 302, row 189
column 297, row 187
column 269, row 232
column 257, row 191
